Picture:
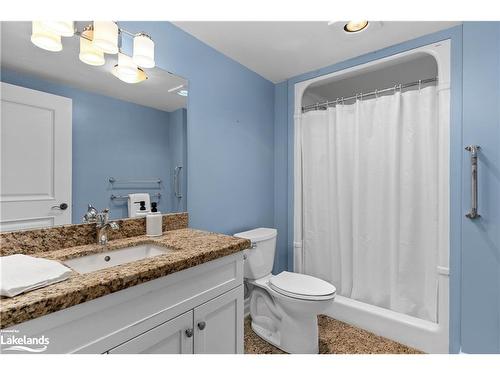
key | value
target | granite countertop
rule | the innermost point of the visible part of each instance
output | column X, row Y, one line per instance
column 190, row 248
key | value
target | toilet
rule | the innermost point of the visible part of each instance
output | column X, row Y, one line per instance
column 283, row 307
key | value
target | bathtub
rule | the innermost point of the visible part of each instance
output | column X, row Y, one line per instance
column 418, row 333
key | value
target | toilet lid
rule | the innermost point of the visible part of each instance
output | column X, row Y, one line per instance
column 302, row 286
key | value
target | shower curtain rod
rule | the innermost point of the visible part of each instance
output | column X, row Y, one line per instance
column 401, row 86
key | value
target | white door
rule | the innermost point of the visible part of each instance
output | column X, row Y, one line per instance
column 35, row 135
column 218, row 324
column 172, row 337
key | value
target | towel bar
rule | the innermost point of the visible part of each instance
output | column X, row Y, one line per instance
column 137, row 181
column 113, row 197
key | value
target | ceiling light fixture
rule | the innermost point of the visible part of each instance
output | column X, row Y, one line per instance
column 97, row 39
column 144, row 51
column 127, row 71
column 106, row 36
column 44, row 38
column 62, row 28
column 88, row 53
column 355, row 26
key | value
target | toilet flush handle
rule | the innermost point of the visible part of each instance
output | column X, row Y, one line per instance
column 253, row 245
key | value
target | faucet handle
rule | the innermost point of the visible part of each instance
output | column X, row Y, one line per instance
column 91, row 215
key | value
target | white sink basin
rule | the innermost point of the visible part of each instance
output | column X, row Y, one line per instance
column 95, row 262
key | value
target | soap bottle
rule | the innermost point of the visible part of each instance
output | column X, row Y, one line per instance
column 154, row 222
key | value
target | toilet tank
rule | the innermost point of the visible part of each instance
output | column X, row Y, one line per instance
column 259, row 259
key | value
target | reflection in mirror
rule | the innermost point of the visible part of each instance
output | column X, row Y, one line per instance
column 74, row 134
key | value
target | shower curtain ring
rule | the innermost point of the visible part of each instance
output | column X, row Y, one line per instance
column 419, row 85
column 376, row 94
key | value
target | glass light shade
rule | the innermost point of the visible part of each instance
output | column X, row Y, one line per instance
column 44, row 38
column 62, row 28
column 89, row 54
column 144, row 51
column 106, row 36
column 355, row 26
column 127, row 71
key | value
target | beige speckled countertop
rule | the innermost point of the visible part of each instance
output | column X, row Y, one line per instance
column 190, row 248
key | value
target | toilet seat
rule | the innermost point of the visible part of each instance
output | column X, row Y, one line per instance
column 300, row 286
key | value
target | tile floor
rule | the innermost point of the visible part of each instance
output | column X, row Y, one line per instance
column 335, row 337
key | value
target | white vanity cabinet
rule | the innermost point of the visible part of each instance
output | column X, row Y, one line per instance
column 197, row 310
column 212, row 328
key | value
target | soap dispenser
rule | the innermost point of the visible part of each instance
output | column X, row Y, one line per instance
column 154, row 222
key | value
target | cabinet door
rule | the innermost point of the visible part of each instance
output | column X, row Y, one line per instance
column 172, row 337
column 218, row 324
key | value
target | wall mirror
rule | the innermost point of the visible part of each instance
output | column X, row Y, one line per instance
column 76, row 130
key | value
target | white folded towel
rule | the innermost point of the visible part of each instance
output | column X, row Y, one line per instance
column 21, row 273
column 134, row 205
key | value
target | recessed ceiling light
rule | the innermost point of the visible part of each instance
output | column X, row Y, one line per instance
column 355, row 26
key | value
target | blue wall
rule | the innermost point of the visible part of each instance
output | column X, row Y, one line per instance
column 230, row 132
column 114, row 138
column 287, row 111
column 481, row 237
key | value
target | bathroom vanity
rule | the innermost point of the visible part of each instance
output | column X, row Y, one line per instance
column 187, row 300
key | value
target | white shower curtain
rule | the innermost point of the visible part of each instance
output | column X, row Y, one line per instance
column 370, row 200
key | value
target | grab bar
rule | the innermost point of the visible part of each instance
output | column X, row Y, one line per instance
column 177, row 182
column 473, row 149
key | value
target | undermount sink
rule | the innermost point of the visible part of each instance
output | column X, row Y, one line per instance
column 95, row 262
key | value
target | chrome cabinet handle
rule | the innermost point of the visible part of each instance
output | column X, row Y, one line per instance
column 62, row 206
column 473, row 149
column 189, row 332
column 202, row 325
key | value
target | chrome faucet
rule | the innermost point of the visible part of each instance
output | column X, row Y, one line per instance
column 102, row 226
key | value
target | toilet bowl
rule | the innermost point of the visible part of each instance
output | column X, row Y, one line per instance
column 283, row 307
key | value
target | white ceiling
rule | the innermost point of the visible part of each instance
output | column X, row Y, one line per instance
column 64, row 67
column 281, row 50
